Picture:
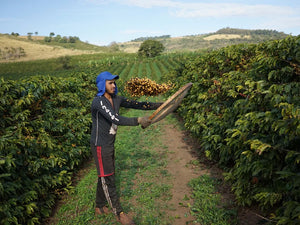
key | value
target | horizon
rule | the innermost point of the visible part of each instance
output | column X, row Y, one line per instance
column 102, row 22
column 187, row 35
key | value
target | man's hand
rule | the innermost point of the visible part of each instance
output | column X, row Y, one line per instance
column 144, row 121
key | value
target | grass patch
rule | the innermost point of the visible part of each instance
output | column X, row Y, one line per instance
column 207, row 207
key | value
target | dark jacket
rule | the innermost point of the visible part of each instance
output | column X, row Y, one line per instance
column 106, row 118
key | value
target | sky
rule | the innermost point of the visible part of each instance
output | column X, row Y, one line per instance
column 103, row 22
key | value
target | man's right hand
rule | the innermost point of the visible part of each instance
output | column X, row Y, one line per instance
column 144, row 121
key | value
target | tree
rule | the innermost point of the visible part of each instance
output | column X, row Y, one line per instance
column 63, row 40
column 57, row 38
column 29, row 35
column 47, row 39
column 113, row 46
column 151, row 48
column 15, row 34
column 72, row 39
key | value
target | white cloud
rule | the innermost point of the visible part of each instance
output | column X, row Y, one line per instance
column 229, row 9
column 267, row 15
column 193, row 10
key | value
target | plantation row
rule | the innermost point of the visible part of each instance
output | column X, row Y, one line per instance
column 126, row 65
column 155, row 68
column 244, row 107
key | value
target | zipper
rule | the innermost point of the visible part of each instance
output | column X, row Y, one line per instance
column 96, row 140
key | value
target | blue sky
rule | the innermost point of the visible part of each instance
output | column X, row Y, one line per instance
column 102, row 22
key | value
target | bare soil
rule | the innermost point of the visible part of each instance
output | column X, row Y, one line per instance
column 180, row 165
column 183, row 155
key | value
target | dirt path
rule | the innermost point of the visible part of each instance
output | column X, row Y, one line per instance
column 180, row 166
column 184, row 164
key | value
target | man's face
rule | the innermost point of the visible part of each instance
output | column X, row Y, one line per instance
column 110, row 86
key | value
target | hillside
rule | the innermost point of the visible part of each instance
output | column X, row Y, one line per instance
column 14, row 49
column 218, row 39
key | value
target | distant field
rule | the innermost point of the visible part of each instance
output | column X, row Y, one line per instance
column 36, row 38
column 225, row 36
column 36, row 51
column 130, row 47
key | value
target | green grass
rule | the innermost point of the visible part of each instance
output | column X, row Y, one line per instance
column 208, row 207
column 57, row 66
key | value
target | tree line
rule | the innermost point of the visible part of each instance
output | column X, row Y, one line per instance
column 51, row 38
column 266, row 32
column 60, row 39
column 152, row 38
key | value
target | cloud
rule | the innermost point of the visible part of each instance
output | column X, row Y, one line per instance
column 229, row 9
column 265, row 15
column 193, row 10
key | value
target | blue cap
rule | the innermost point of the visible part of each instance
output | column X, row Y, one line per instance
column 101, row 79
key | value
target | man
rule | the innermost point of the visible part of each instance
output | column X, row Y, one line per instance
column 105, row 119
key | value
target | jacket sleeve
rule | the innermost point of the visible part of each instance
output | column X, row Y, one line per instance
column 105, row 109
column 127, row 103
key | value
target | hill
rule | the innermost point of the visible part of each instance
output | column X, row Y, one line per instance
column 13, row 49
column 218, row 39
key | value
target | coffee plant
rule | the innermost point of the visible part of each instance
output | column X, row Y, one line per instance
column 244, row 107
column 44, row 137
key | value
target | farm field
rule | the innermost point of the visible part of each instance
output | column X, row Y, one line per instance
column 243, row 111
column 124, row 64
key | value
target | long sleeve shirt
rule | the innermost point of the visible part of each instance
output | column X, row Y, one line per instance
column 106, row 118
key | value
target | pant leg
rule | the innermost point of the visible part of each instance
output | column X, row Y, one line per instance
column 104, row 160
column 110, row 192
column 100, row 196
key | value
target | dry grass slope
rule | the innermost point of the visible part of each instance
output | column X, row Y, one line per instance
column 35, row 51
column 225, row 36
